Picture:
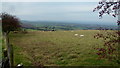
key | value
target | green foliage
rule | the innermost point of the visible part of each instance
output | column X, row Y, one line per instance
column 55, row 26
column 0, row 46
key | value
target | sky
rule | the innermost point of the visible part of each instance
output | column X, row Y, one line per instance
column 53, row 0
column 50, row 0
column 75, row 12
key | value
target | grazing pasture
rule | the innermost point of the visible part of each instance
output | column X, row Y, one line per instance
column 57, row 48
column 0, row 44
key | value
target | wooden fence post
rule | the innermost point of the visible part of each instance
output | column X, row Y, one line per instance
column 11, row 55
column 5, row 53
column 119, row 35
column 9, row 50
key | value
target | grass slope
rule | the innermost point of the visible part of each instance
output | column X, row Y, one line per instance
column 0, row 45
column 57, row 48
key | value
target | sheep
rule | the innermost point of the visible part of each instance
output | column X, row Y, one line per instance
column 81, row 35
column 76, row 34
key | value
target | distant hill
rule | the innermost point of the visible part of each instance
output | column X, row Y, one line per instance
column 27, row 25
column 45, row 25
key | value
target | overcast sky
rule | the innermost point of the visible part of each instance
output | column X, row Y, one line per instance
column 54, row 0
column 56, row 11
column 50, row 0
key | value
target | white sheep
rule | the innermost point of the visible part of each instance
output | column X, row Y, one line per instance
column 81, row 35
column 76, row 34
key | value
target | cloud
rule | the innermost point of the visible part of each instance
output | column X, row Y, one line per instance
column 0, row 7
column 55, row 11
column 50, row 0
column 45, row 8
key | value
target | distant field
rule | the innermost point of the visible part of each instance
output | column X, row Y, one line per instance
column 57, row 48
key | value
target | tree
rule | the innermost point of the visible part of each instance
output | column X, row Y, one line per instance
column 9, row 23
column 110, row 7
column 109, row 50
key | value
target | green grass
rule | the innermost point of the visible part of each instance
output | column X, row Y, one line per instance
column 0, row 44
column 58, row 48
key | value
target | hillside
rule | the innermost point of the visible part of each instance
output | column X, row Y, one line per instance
column 45, row 25
column 57, row 48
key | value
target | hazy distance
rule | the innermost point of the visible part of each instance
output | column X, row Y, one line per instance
column 69, row 12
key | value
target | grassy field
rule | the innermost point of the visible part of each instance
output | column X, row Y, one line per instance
column 0, row 42
column 58, row 48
